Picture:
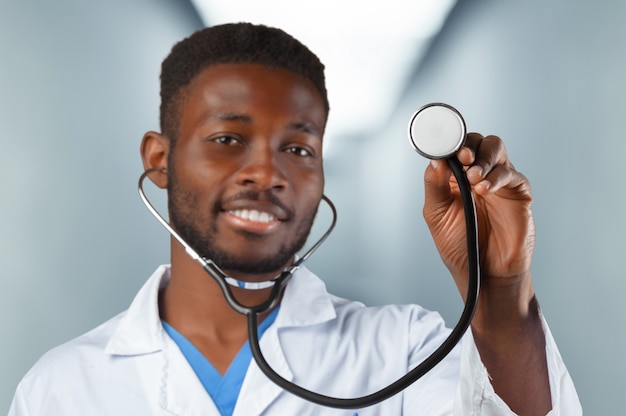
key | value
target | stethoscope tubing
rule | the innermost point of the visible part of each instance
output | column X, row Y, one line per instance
column 218, row 275
column 251, row 312
column 431, row 361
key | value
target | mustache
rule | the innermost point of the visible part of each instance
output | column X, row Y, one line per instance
column 252, row 195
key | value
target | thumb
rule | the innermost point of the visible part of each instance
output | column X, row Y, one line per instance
column 437, row 192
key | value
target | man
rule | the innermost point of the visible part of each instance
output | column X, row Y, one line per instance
column 243, row 112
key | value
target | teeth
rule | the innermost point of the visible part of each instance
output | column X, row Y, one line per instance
column 253, row 215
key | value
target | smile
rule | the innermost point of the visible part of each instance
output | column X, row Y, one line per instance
column 253, row 215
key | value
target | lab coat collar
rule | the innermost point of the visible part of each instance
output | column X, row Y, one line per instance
column 140, row 331
column 305, row 302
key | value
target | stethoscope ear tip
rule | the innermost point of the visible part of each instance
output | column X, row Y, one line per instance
column 157, row 175
column 437, row 131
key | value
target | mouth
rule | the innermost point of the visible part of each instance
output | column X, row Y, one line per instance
column 253, row 215
column 262, row 219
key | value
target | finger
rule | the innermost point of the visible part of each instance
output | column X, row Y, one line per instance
column 467, row 154
column 503, row 177
column 473, row 145
column 489, row 153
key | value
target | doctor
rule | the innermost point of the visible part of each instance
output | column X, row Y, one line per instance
column 243, row 112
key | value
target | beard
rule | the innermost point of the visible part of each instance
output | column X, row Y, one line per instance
column 199, row 232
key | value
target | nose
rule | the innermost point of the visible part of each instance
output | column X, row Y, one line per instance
column 261, row 168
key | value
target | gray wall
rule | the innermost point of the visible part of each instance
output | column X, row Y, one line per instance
column 78, row 89
column 79, row 86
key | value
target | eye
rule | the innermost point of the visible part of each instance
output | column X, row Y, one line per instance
column 299, row 151
column 226, row 140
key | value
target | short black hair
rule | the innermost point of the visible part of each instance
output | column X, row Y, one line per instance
column 231, row 43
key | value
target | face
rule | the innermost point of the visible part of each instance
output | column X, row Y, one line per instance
column 245, row 176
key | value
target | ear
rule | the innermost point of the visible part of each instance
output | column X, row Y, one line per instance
column 154, row 150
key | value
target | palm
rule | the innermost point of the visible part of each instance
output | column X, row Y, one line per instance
column 505, row 230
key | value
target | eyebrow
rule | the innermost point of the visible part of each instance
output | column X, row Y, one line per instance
column 302, row 126
column 305, row 127
column 243, row 118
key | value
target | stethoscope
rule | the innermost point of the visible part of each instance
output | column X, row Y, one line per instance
column 436, row 131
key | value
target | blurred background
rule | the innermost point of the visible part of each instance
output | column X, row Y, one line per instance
column 79, row 87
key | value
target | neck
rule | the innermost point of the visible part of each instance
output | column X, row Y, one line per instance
column 194, row 302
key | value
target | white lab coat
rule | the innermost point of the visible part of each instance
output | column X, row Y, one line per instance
column 129, row 366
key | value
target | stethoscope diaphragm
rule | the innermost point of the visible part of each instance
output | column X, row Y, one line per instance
column 437, row 131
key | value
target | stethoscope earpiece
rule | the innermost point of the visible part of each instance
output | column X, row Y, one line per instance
column 437, row 131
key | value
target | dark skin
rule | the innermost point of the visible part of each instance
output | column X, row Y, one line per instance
column 506, row 327
column 235, row 136
column 246, row 126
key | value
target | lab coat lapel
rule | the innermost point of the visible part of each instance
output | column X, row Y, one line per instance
column 305, row 302
column 257, row 392
column 182, row 392
column 141, row 332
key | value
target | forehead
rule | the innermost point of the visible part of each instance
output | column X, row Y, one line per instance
column 254, row 88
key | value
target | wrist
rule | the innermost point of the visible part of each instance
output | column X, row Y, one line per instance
column 505, row 306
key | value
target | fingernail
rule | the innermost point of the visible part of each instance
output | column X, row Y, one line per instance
column 478, row 170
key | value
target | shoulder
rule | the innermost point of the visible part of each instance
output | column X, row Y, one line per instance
column 72, row 355
column 307, row 302
column 408, row 315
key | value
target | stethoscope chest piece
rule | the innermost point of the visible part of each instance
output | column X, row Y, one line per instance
column 437, row 131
